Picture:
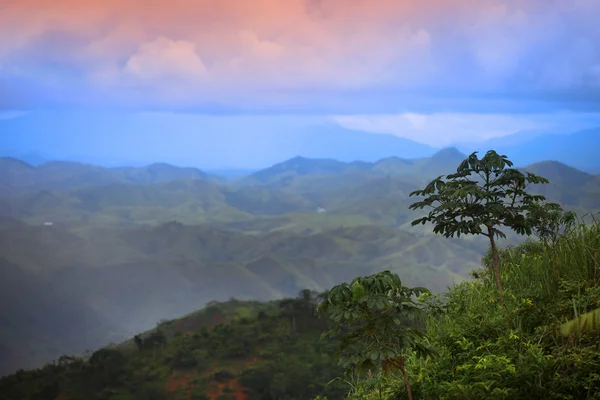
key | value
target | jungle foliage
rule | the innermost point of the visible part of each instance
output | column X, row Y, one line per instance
column 546, row 347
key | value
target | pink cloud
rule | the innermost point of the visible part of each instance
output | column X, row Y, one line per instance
column 233, row 51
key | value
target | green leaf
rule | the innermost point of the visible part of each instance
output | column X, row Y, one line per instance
column 588, row 322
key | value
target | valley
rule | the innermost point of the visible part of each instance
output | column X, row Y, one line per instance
column 128, row 247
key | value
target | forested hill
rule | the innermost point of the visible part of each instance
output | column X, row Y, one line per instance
column 273, row 350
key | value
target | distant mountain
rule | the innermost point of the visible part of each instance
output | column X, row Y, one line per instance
column 18, row 177
column 31, row 158
column 229, row 174
column 568, row 185
column 580, row 149
column 75, row 194
column 136, row 139
column 443, row 162
column 158, row 172
column 285, row 174
column 331, row 141
column 109, row 139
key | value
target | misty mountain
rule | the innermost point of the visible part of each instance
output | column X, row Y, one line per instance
column 129, row 139
column 293, row 171
column 121, row 139
column 579, row 149
column 83, row 195
column 18, row 177
column 127, row 279
column 568, row 186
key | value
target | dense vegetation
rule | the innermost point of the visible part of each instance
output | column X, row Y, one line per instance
column 489, row 342
column 232, row 350
column 480, row 356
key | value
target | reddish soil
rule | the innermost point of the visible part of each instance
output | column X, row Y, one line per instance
column 217, row 319
column 234, row 388
column 181, row 380
column 215, row 390
column 62, row 396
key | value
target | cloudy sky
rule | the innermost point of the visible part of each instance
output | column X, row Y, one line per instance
column 434, row 71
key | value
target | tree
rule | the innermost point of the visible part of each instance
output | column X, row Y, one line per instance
column 495, row 198
column 550, row 222
column 371, row 317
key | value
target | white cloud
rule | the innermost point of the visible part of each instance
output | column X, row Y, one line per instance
column 443, row 129
column 165, row 59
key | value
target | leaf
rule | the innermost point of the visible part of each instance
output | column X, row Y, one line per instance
column 588, row 322
column 358, row 291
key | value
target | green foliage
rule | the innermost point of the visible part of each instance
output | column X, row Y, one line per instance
column 467, row 206
column 243, row 346
column 587, row 322
column 481, row 357
column 550, row 222
column 495, row 197
column 376, row 322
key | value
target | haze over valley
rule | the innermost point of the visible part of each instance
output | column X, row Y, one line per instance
column 120, row 249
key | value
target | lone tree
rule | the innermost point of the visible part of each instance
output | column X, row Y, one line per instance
column 371, row 317
column 496, row 197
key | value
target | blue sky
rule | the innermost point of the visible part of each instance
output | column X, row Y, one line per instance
column 437, row 72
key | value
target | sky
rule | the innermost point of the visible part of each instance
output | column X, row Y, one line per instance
column 435, row 71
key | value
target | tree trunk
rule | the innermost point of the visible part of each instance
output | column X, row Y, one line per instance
column 406, row 382
column 496, row 267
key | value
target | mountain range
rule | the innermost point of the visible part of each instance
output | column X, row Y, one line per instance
column 117, row 140
column 111, row 251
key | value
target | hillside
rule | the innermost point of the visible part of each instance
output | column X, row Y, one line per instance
column 137, row 276
column 570, row 187
column 18, row 177
column 327, row 193
column 114, row 249
column 191, row 252
column 483, row 351
column 234, row 350
column 253, row 350
column 292, row 173
column 578, row 149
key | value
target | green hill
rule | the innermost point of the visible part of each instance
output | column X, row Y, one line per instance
column 293, row 174
column 103, row 239
column 263, row 350
column 83, row 196
column 137, row 276
column 234, row 350
column 570, row 187
column 18, row 177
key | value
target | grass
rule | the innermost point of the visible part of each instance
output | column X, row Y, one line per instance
column 575, row 256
